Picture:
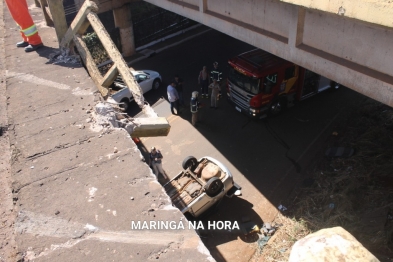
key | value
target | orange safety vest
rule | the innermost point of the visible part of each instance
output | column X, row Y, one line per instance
column 20, row 13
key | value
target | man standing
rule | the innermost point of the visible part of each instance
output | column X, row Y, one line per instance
column 156, row 162
column 215, row 91
column 203, row 81
column 20, row 13
column 173, row 98
column 179, row 88
column 216, row 74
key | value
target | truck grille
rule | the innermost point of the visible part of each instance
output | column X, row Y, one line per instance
column 238, row 97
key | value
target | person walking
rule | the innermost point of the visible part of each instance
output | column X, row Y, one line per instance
column 215, row 91
column 20, row 13
column 194, row 107
column 173, row 98
column 156, row 157
column 216, row 74
column 179, row 88
column 203, row 81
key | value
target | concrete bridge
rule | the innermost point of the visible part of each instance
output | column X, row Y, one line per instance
column 350, row 42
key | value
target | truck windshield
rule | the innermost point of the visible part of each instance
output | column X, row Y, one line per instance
column 244, row 82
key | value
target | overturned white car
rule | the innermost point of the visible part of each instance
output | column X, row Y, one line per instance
column 200, row 186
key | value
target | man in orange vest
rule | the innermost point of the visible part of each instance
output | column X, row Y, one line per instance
column 20, row 13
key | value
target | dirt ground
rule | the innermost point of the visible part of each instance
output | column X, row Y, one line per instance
column 353, row 192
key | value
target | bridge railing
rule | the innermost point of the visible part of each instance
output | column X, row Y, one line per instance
column 87, row 16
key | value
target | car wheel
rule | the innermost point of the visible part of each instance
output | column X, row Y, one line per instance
column 156, row 84
column 213, row 187
column 190, row 162
column 124, row 104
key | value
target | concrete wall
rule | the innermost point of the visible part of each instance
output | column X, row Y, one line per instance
column 365, row 44
column 261, row 14
column 354, row 53
column 373, row 11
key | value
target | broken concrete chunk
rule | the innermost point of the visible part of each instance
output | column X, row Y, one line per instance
column 328, row 245
column 78, row 233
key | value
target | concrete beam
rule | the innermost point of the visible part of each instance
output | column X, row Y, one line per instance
column 150, row 127
column 377, row 12
column 58, row 16
column 349, row 51
column 107, row 5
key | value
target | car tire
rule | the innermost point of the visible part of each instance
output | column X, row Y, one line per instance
column 125, row 104
column 213, row 187
column 156, row 84
column 190, row 162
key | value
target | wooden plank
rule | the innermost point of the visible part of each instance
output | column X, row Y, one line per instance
column 90, row 64
column 149, row 127
column 79, row 24
column 117, row 58
column 58, row 16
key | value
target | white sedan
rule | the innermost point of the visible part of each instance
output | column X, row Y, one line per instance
column 200, row 186
column 147, row 80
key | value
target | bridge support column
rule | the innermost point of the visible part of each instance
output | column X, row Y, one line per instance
column 202, row 6
column 296, row 28
column 123, row 21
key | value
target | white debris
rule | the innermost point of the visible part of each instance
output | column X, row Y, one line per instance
column 63, row 56
column 92, row 192
column 91, row 228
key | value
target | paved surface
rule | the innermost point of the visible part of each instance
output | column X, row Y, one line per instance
column 75, row 188
column 267, row 158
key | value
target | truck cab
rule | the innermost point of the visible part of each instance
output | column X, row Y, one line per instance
column 260, row 83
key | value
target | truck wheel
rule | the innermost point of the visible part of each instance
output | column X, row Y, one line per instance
column 125, row 103
column 277, row 106
column 190, row 162
column 156, row 84
column 334, row 85
column 213, row 187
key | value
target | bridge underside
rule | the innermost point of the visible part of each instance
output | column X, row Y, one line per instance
column 354, row 53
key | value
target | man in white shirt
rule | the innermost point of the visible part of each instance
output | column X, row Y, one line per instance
column 173, row 97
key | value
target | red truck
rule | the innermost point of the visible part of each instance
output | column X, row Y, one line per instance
column 260, row 83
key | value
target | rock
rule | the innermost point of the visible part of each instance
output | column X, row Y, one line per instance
column 115, row 150
column 78, row 233
column 331, row 244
